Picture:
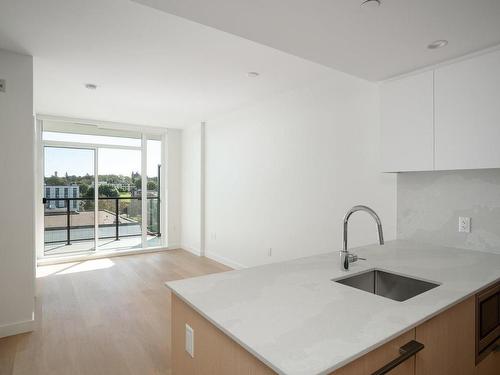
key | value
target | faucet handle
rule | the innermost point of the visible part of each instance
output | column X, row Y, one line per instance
column 346, row 258
column 354, row 258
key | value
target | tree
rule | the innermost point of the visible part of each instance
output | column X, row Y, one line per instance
column 84, row 188
column 137, row 184
column 55, row 181
column 152, row 186
column 107, row 191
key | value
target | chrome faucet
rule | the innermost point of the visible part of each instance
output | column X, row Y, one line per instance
column 345, row 256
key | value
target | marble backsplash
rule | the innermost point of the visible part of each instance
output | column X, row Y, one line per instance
column 429, row 204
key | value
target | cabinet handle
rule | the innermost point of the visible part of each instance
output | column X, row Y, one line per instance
column 406, row 351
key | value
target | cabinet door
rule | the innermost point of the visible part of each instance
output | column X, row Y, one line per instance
column 407, row 127
column 449, row 340
column 379, row 357
column 214, row 352
column 467, row 114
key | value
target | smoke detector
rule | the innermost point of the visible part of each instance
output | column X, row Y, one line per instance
column 437, row 44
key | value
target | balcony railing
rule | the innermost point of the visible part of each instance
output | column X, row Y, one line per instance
column 117, row 217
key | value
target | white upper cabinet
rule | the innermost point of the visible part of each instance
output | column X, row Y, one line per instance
column 407, row 115
column 467, row 113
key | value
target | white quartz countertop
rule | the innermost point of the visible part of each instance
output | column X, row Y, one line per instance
column 292, row 317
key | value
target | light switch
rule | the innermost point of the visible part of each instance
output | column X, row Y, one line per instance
column 190, row 340
column 464, row 224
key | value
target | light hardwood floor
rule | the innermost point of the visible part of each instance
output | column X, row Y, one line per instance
column 108, row 316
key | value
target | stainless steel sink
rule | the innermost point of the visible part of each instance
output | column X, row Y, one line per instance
column 386, row 284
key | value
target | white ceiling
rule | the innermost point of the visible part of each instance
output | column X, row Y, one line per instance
column 152, row 68
column 155, row 68
column 370, row 43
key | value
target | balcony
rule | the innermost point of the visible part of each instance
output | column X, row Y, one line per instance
column 71, row 225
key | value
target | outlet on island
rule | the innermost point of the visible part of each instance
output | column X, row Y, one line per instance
column 464, row 224
column 189, row 340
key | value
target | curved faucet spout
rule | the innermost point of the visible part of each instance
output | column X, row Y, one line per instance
column 345, row 256
column 372, row 213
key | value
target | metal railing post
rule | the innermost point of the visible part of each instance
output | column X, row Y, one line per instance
column 117, row 228
column 68, row 223
column 151, row 213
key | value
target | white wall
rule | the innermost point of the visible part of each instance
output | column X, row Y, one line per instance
column 17, row 254
column 282, row 173
column 174, row 147
column 191, row 222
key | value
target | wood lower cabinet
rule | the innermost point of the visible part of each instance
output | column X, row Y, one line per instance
column 214, row 352
column 449, row 339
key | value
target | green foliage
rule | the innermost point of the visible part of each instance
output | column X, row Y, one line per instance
column 107, row 191
column 137, row 183
column 55, row 181
column 85, row 183
column 84, row 188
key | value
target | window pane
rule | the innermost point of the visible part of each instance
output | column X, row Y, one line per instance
column 68, row 231
column 153, row 196
column 120, row 218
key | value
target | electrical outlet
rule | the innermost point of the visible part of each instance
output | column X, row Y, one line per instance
column 190, row 340
column 3, row 85
column 464, row 224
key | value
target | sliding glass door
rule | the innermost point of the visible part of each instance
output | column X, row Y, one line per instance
column 120, row 193
column 101, row 192
column 69, row 210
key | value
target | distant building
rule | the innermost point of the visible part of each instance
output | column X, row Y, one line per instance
column 61, row 192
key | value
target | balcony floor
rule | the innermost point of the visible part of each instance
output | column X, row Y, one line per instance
column 104, row 244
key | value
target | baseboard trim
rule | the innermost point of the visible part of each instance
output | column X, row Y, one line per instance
column 17, row 328
column 225, row 261
column 191, row 250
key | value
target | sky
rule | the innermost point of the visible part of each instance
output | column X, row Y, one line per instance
column 79, row 162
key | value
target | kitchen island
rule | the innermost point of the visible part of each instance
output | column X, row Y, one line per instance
column 291, row 318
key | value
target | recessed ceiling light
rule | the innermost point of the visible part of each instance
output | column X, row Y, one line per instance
column 371, row 4
column 438, row 44
column 253, row 74
column 90, row 86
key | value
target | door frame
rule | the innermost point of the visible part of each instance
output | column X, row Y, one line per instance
column 147, row 133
